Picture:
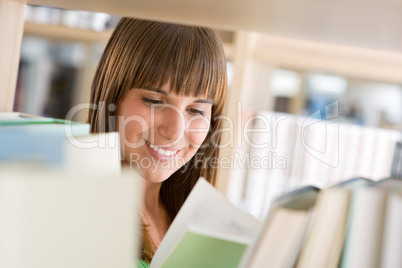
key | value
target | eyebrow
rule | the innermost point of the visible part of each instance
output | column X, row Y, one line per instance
column 157, row 90
column 205, row 101
column 163, row 92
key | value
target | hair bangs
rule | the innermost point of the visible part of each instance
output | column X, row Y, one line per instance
column 181, row 58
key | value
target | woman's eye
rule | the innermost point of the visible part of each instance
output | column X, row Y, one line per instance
column 152, row 101
column 196, row 112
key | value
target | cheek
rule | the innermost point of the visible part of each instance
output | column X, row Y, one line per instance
column 197, row 131
column 131, row 125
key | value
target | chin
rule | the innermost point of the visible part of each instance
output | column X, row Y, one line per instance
column 156, row 178
column 157, row 175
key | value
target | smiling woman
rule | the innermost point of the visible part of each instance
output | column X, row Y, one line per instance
column 163, row 88
column 161, row 128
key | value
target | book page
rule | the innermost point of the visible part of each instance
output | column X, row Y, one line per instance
column 208, row 210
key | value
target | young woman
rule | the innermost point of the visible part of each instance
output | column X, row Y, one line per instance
column 163, row 87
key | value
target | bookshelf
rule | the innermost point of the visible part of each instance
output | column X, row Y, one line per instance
column 341, row 22
column 295, row 28
column 58, row 32
column 11, row 29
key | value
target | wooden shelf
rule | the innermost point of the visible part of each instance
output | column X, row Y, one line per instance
column 59, row 32
column 375, row 24
column 353, row 62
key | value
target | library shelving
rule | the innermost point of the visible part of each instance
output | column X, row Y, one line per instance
column 64, row 33
column 354, row 38
column 374, row 24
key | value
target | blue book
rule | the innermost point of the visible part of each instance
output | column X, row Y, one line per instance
column 26, row 137
column 50, row 145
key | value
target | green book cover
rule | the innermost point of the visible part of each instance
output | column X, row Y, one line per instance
column 209, row 231
column 20, row 120
column 200, row 251
column 29, row 121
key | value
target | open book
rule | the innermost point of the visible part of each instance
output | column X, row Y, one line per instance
column 208, row 231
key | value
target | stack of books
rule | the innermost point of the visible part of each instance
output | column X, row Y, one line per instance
column 64, row 199
column 355, row 223
column 292, row 151
column 57, row 143
column 51, row 218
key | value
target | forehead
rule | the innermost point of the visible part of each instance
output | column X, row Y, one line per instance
column 173, row 79
column 167, row 92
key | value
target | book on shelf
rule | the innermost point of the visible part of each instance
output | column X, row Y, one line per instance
column 58, row 143
column 283, row 232
column 396, row 169
column 68, row 219
column 317, row 152
column 23, row 119
column 363, row 245
column 309, row 227
column 392, row 237
column 18, row 116
column 328, row 225
column 208, row 231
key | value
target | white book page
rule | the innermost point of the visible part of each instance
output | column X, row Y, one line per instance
column 98, row 152
column 16, row 115
column 9, row 115
column 206, row 209
column 224, row 220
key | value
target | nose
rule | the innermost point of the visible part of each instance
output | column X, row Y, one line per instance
column 172, row 124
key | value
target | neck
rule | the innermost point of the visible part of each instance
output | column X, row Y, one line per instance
column 154, row 214
column 151, row 199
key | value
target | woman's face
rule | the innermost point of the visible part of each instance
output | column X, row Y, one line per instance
column 161, row 131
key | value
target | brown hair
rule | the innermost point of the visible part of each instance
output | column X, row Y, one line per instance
column 147, row 54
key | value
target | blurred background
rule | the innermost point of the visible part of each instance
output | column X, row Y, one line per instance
column 61, row 49
column 59, row 55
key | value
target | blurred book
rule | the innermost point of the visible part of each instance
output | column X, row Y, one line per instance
column 208, row 231
column 315, row 152
column 284, row 230
column 67, row 219
column 355, row 223
column 17, row 116
column 57, row 143
column 392, row 240
column 396, row 169
column 366, row 224
column 328, row 226
column 49, row 146
column 21, row 119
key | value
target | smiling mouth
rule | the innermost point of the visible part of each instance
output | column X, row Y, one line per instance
column 160, row 150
